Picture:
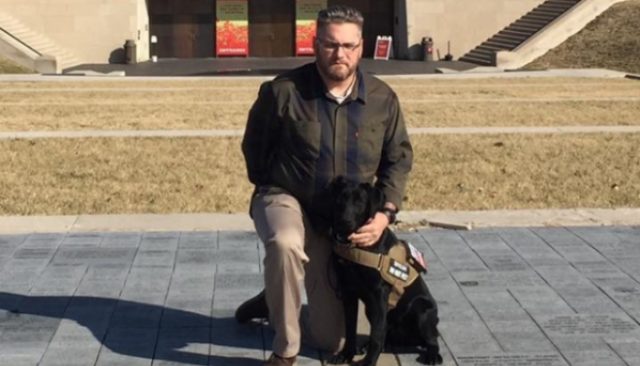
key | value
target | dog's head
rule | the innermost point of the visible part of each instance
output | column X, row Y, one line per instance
column 353, row 204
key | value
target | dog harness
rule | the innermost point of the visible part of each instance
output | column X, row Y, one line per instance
column 399, row 268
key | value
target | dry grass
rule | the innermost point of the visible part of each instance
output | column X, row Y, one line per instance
column 543, row 171
column 147, row 175
column 223, row 104
column 610, row 41
column 9, row 67
column 122, row 176
column 94, row 176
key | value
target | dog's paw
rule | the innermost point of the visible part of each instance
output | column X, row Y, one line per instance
column 363, row 362
column 340, row 358
column 430, row 358
column 363, row 345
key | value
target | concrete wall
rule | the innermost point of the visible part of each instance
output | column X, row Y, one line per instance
column 466, row 23
column 142, row 29
column 94, row 30
column 12, row 52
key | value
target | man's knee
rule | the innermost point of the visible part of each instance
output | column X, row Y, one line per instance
column 287, row 242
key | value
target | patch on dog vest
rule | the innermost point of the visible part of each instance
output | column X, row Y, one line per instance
column 398, row 270
column 417, row 259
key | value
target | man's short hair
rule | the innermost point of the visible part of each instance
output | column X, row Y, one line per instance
column 338, row 14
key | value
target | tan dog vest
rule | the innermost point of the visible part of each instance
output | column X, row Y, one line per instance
column 398, row 267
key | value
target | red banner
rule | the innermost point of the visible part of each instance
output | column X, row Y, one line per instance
column 306, row 14
column 232, row 28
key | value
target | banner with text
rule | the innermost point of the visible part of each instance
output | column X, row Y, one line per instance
column 232, row 28
column 383, row 48
column 306, row 14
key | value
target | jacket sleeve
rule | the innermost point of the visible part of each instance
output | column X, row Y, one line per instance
column 258, row 140
column 397, row 156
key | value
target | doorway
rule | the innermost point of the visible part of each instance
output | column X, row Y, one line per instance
column 271, row 28
column 184, row 28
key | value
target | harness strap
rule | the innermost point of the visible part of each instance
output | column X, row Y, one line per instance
column 395, row 267
column 357, row 255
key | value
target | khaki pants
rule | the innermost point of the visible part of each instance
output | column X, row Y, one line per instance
column 295, row 253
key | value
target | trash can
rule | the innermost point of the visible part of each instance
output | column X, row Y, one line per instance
column 427, row 48
column 130, row 52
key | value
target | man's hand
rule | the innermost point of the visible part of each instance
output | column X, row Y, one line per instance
column 370, row 232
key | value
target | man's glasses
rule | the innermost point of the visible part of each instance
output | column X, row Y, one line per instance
column 334, row 46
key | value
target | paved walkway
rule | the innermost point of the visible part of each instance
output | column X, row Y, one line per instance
column 236, row 133
column 507, row 296
column 409, row 73
column 258, row 66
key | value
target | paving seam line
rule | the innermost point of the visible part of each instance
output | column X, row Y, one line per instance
column 236, row 132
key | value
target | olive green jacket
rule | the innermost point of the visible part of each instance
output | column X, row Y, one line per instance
column 298, row 138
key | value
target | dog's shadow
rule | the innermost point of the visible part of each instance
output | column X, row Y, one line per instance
column 131, row 328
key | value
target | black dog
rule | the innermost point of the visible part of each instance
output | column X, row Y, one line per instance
column 413, row 321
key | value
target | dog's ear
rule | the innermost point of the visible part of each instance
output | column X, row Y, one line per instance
column 376, row 198
column 337, row 185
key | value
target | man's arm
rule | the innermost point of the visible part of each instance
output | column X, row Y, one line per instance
column 393, row 171
column 396, row 159
column 257, row 144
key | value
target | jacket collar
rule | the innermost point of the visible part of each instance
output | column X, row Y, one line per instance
column 319, row 89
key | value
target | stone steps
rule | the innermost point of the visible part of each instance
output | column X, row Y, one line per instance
column 518, row 32
column 37, row 42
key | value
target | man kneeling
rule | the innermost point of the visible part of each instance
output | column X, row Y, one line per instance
column 308, row 126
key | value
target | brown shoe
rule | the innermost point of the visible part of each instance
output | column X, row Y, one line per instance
column 276, row 360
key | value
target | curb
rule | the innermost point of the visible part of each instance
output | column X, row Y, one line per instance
column 463, row 220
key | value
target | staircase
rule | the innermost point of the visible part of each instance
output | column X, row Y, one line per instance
column 519, row 31
column 35, row 43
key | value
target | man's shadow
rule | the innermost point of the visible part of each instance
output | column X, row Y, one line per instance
column 130, row 328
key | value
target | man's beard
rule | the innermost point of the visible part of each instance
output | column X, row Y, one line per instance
column 337, row 72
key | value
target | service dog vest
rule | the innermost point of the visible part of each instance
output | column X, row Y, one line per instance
column 399, row 268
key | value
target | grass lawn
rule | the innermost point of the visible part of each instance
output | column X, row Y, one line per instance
column 153, row 175
column 221, row 104
column 180, row 175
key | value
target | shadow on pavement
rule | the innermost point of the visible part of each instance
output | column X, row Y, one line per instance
column 137, row 329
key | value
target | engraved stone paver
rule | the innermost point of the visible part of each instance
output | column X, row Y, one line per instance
column 512, row 360
column 550, row 296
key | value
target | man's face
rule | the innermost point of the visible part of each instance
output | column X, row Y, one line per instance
column 338, row 50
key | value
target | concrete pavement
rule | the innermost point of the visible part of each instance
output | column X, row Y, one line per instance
column 442, row 73
column 242, row 221
column 85, row 295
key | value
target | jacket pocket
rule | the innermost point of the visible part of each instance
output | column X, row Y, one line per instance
column 370, row 143
column 303, row 138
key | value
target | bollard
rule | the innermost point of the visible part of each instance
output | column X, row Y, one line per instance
column 427, row 48
column 130, row 52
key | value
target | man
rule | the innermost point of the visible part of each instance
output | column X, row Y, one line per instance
column 308, row 126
